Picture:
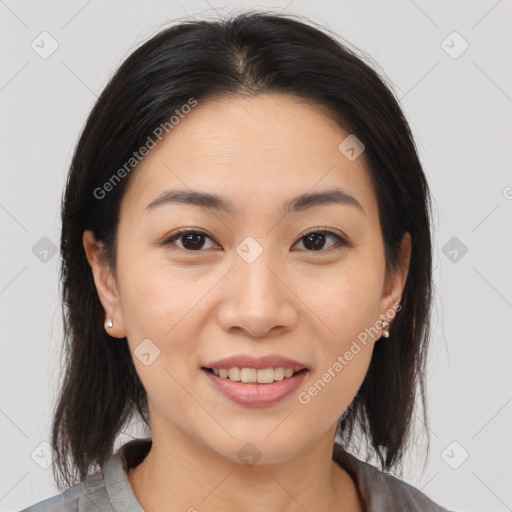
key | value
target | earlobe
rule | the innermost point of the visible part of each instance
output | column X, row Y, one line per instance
column 105, row 285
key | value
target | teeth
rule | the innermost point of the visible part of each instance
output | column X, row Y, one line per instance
column 279, row 373
column 265, row 376
column 234, row 374
column 249, row 375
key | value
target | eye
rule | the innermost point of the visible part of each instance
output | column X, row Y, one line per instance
column 191, row 240
column 315, row 240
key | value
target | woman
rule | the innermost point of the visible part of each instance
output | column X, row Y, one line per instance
column 246, row 266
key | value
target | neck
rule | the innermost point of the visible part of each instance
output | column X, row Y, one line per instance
column 179, row 474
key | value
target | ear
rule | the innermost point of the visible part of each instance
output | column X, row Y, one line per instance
column 105, row 284
column 395, row 283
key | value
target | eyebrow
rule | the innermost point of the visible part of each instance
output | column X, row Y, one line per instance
column 297, row 204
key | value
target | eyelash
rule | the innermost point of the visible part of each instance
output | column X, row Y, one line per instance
column 341, row 242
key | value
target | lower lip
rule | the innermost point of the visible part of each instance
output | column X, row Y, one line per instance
column 256, row 395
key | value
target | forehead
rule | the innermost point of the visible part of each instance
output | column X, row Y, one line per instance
column 256, row 151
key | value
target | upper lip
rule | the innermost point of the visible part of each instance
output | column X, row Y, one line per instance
column 247, row 361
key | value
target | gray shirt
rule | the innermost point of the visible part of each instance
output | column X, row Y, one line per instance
column 109, row 490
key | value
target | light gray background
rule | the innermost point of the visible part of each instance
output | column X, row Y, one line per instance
column 460, row 112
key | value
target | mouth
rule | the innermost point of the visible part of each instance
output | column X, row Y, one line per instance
column 255, row 387
column 254, row 375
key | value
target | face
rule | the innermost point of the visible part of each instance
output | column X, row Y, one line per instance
column 250, row 277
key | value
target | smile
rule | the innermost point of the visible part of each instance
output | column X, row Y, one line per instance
column 251, row 391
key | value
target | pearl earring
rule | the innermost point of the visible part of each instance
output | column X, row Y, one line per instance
column 108, row 323
column 385, row 333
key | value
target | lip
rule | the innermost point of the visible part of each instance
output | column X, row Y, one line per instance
column 259, row 363
column 256, row 395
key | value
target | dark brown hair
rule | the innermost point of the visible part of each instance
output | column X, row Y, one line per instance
column 246, row 54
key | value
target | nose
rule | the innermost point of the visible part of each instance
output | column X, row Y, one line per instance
column 257, row 302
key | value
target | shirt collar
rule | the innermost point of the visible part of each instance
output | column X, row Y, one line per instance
column 115, row 474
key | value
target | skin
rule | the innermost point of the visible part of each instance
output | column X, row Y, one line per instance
column 203, row 305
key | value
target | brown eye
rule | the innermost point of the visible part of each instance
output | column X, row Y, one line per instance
column 190, row 240
column 316, row 240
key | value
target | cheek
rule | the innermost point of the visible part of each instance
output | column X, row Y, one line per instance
column 342, row 363
column 345, row 304
column 158, row 306
column 156, row 297
column 163, row 304
column 346, row 300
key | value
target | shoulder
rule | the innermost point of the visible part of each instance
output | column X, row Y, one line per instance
column 391, row 493
column 87, row 495
column 383, row 491
column 106, row 490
